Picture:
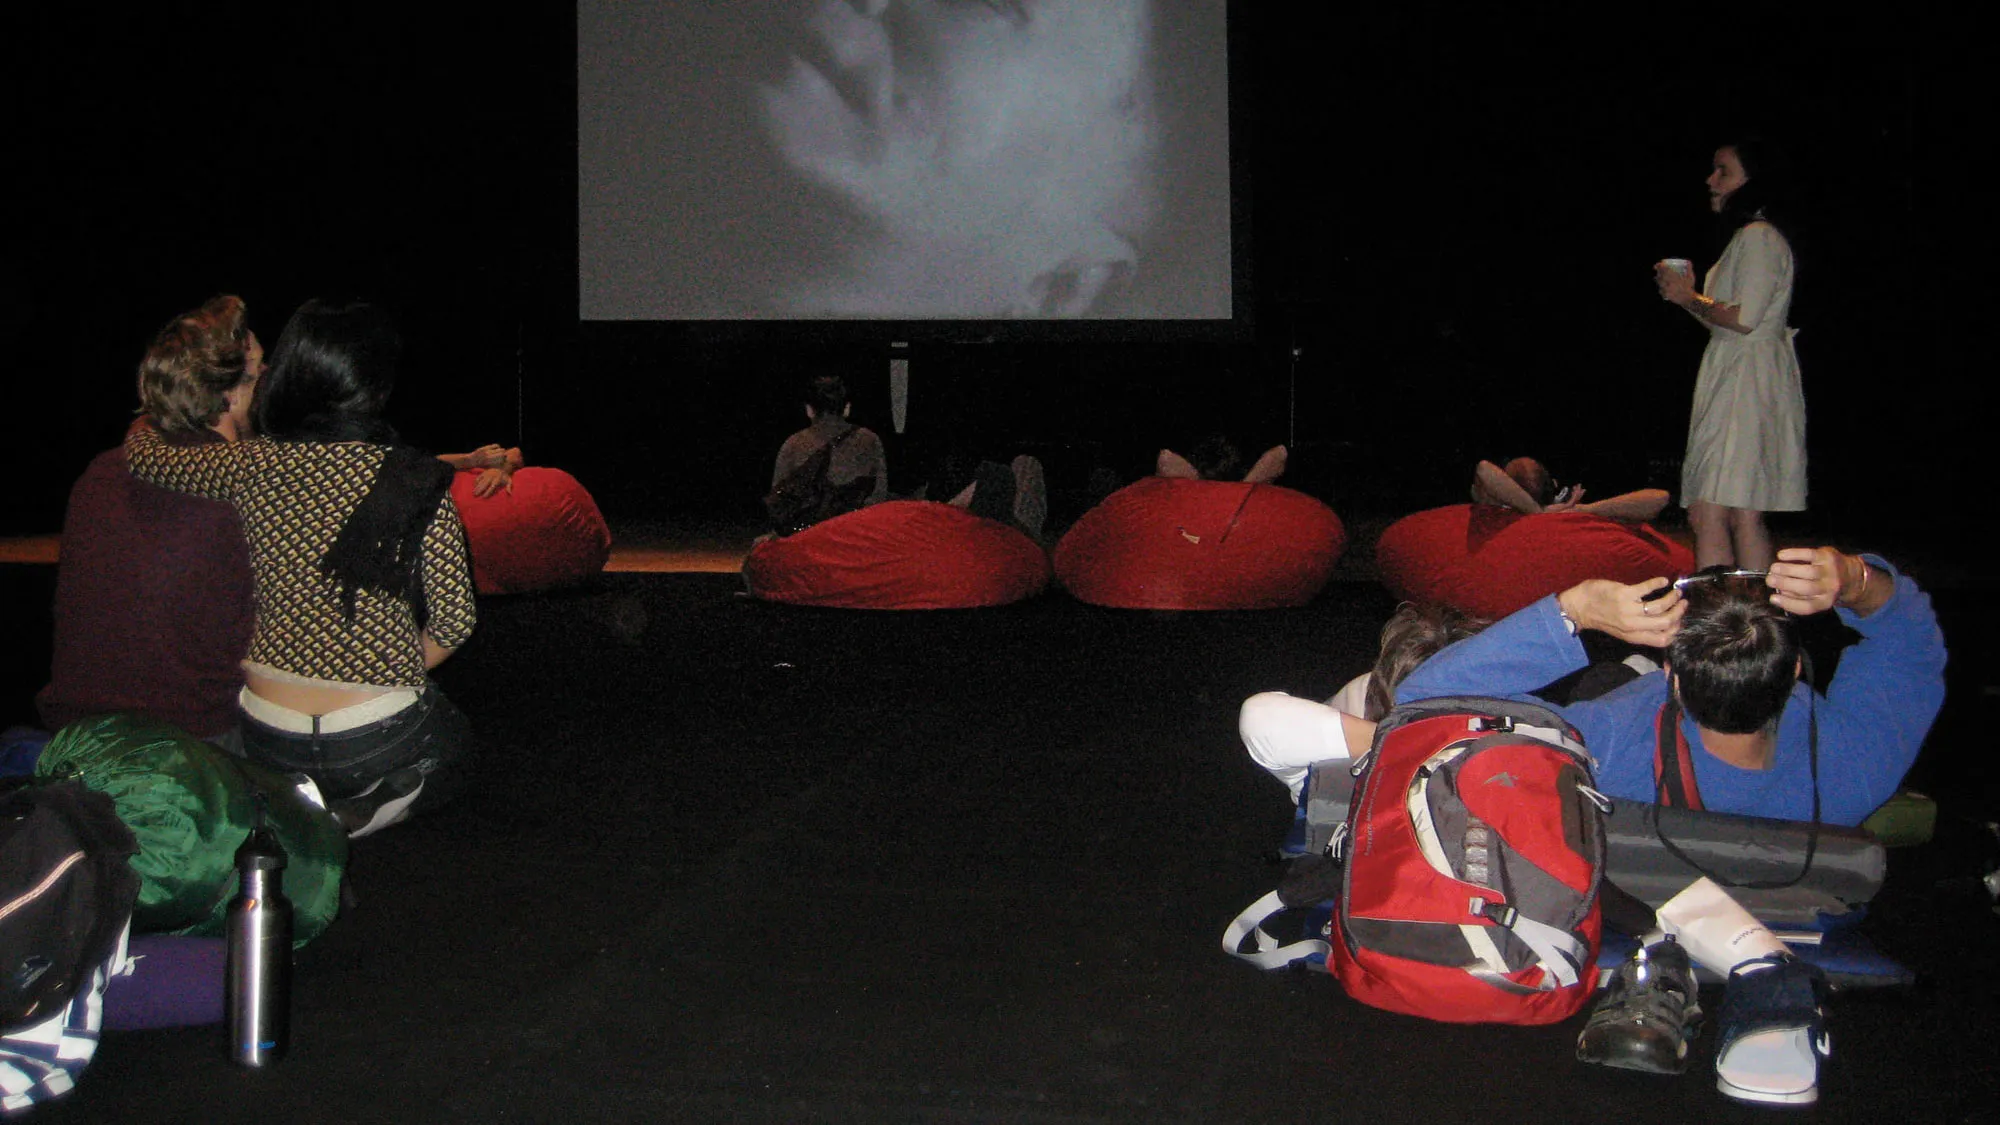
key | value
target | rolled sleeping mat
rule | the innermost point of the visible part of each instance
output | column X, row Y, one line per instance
column 1848, row 864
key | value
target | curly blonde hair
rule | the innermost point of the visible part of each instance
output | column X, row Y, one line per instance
column 191, row 363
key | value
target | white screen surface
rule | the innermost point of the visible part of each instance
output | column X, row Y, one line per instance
column 903, row 159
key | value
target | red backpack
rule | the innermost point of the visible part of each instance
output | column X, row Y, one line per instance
column 1471, row 860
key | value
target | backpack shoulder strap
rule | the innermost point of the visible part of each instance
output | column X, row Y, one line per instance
column 1268, row 954
column 1674, row 783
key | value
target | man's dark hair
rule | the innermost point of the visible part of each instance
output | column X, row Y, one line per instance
column 827, row 395
column 1736, row 655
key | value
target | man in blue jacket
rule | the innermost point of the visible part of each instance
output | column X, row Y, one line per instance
column 1729, row 687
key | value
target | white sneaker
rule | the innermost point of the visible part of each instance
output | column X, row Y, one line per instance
column 385, row 802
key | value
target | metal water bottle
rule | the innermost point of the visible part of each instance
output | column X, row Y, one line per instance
column 257, row 988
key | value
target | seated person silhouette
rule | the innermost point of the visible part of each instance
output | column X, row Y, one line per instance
column 829, row 468
column 154, row 596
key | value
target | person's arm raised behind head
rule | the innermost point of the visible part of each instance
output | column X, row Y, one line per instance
column 1492, row 485
column 1625, row 611
column 1808, row 580
column 1889, row 686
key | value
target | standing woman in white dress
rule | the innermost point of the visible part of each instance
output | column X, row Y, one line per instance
column 1746, row 451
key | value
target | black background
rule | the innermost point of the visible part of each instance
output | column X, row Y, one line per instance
column 1449, row 222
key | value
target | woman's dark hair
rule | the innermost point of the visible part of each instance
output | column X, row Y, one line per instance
column 330, row 375
column 1735, row 657
column 1766, row 194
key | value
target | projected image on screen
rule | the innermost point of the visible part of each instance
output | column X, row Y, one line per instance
column 903, row 159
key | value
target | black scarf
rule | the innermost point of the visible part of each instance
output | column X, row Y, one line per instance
column 380, row 546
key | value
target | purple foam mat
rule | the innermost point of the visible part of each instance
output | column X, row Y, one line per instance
column 176, row 981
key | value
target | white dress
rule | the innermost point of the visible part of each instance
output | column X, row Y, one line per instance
column 1747, row 437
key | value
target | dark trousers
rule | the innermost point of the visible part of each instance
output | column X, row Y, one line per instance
column 431, row 735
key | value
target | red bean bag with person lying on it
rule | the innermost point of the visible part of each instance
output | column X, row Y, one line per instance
column 901, row 554
column 544, row 533
column 1490, row 561
column 1164, row 543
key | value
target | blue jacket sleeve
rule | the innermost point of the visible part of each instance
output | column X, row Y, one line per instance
column 1516, row 654
column 1882, row 701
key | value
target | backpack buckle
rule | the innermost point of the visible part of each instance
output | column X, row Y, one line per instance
column 1498, row 913
column 1502, row 723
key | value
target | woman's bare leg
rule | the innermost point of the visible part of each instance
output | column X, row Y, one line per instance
column 1751, row 537
column 1712, row 545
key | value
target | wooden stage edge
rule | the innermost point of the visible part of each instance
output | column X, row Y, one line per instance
column 705, row 556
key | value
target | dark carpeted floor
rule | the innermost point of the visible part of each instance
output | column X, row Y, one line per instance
column 734, row 861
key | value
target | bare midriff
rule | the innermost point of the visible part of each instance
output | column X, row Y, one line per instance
column 308, row 699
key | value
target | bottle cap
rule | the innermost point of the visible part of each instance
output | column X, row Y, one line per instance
column 260, row 852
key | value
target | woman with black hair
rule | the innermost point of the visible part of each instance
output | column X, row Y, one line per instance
column 362, row 576
column 1746, row 451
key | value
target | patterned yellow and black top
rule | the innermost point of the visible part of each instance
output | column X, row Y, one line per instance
column 294, row 498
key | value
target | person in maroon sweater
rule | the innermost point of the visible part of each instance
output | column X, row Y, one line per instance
column 153, row 602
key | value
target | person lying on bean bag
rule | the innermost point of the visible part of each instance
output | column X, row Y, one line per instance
column 1490, row 561
column 1170, row 542
column 1217, row 458
column 1526, row 486
column 901, row 554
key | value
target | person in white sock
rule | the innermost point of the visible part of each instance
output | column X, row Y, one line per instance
column 1286, row 734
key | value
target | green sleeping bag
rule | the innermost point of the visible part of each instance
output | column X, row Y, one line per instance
column 191, row 805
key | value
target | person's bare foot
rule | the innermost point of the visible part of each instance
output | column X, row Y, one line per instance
column 1269, row 467
column 1173, row 466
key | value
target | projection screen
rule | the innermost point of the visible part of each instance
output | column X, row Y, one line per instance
column 903, row 160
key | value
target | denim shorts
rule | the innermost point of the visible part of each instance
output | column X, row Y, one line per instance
column 430, row 734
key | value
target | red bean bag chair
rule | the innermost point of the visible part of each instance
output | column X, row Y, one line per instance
column 902, row 554
column 1491, row 561
column 1201, row 544
column 545, row 533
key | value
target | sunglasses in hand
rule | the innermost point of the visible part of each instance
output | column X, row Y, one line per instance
column 1712, row 574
